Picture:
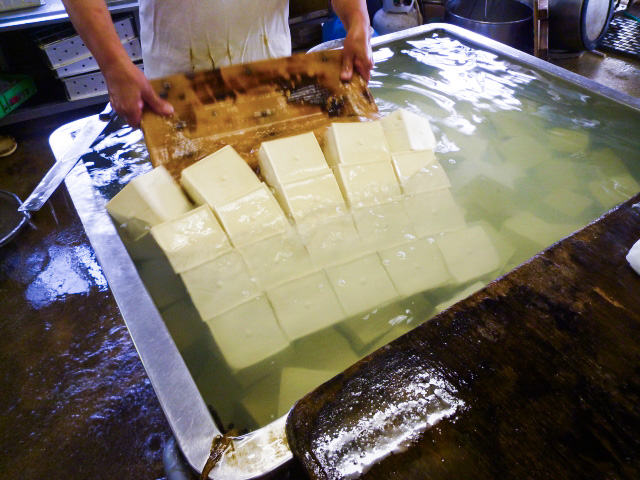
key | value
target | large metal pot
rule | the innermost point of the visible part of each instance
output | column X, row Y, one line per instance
column 578, row 25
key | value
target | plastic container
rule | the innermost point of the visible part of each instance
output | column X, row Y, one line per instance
column 17, row 89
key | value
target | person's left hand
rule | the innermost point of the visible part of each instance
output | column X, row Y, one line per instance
column 357, row 52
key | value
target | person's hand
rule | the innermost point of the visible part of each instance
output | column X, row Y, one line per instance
column 357, row 52
column 130, row 90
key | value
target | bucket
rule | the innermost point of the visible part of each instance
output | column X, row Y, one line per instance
column 507, row 21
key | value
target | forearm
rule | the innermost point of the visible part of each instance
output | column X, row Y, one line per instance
column 352, row 13
column 93, row 23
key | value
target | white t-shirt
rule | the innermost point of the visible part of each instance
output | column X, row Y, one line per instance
column 181, row 36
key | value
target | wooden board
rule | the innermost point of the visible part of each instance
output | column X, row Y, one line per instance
column 244, row 105
column 541, row 367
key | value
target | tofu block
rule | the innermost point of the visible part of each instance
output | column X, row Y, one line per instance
column 261, row 401
column 276, row 259
column 367, row 183
column 405, row 130
column 355, row 143
column 291, row 159
column 609, row 164
column 524, row 151
column 633, row 257
column 220, row 285
column 558, row 173
column 504, row 247
column 419, row 172
column 613, row 191
column 364, row 330
column 531, row 234
column 331, row 240
column 141, row 249
column 327, row 349
column 361, row 285
column 191, row 239
column 468, row 253
column 568, row 141
column 415, row 267
column 305, row 305
column 146, row 201
column 471, row 289
column 567, row 202
column 434, row 212
column 219, row 178
column 295, row 383
column 515, row 123
column 184, row 323
column 383, row 226
column 317, row 195
column 248, row 333
column 252, row 217
column 487, row 196
column 164, row 286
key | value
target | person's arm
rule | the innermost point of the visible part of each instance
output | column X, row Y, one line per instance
column 129, row 89
column 357, row 46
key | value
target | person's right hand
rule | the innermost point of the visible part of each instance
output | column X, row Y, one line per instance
column 129, row 90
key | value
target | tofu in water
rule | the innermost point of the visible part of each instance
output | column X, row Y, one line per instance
column 355, row 143
column 383, row 226
column 331, row 240
column 405, row 130
column 368, row 183
column 435, row 212
column 419, row 172
column 470, row 290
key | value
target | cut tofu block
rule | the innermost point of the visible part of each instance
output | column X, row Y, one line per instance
column 531, row 234
column 355, row 143
column 613, row 191
column 383, row 226
column 419, row 172
column 252, row 217
column 405, row 130
column 146, row 201
column 248, row 333
column 487, row 196
column 434, row 212
column 191, row 239
column 291, row 159
column 261, row 401
column 327, row 349
column 633, row 257
column 331, row 240
column 504, row 247
column 609, row 164
column 276, row 259
column 317, row 195
column 219, row 178
column 367, row 183
column 363, row 330
column 220, row 285
column 164, row 286
column 361, row 284
column 141, row 249
column 295, row 383
column 568, row 141
column 468, row 253
column 558, row 173
column 524, row 151
column 515, row 123
column 415, row 267
column 567, row 202
column 471, row 289
column 184, row 323
column 305, row 305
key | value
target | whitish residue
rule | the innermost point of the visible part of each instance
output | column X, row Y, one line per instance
column 350, row 450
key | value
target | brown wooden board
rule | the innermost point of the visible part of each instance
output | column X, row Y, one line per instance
column 243, row 105
column 542, row 365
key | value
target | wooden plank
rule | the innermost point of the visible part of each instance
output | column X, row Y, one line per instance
column 537, row 375
column 244, row 105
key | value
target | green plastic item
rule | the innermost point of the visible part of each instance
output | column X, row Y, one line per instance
column 19, row 89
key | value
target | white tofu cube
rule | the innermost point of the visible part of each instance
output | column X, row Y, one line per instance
column 363, row 330
column 184, row 323
column 471, row 289
column 290, row 159
column 261, row 401
column 248, row 333
column 317, row 195
column 355, row 143
column 559, row 173
column 434, row 212
column 468, row 253
column 419, row 172
column 220, row 285
column 331, row 240
column 252, row 217
column 567, row 202
column 164, row 286
column 219, row 178
column 504, row 247
column 361, row 284
column 367, row 183
column 415, row 267
column 383, row 226
column 276, row 259
column 327, row 349
column 515, row 123
column 532, row 234
column 305, row 305
column 146, row 201
column 609, row 164
column 295, row 383
column 633, row 257
column 524, row 151
column 568, row 141
column 613, row 191
column 405, row 130
column 191, row 239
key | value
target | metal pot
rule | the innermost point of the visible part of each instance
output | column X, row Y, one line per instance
column 578, row 25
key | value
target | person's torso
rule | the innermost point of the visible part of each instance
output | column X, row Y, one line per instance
column 191, row 35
